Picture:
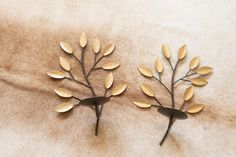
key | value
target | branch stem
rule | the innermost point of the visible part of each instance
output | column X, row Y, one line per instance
column 158, row 101
column 162, row 84
column 71, row 79
column 171, row 122
column 172, row 85
column 185, row 76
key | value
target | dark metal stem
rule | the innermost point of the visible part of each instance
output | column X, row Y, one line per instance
column 158, row 101
column 94, row 65
column 92, row 90
column 170, row 64
column 76, row 98
column 172, row 85
column 173, row 103
column 171, row 122
column 71, row 79
column 187, row 75
column 162, row 84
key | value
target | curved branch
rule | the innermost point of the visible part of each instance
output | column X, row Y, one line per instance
column 162, row 84
column 77, row 59
column 172, row 85
column 94, row 65
column 182, row 106
column 171, row 122
column 76, row 98
column 158, row 101
column 71, row 79
column 170, row 64
column 185, row 76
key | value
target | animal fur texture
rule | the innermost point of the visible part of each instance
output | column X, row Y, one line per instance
column 30, row 32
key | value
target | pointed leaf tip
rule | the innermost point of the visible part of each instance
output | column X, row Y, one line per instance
column 66, row 47
column 182, row 52
column 145, row 71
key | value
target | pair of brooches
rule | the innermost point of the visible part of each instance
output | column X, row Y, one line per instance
column 194, row 76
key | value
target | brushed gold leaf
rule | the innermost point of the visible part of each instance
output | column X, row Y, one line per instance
column 195, row 108
column 64, row 107
column 159, row 65
column 194, row 63
column 199, row 81
column 109, row 81
column 83, row 39
column 65, row 64
column 147, row 90
column 110, row 65
column 204, row 70
column 182, row 52
column 166, row 51
column 142, row 104
column 56, row 74
column 96, row 46
column 109, row 49
column 119, row 89
column 188, row 94
column 62, row 92
column 66, row 47
column 145, row 71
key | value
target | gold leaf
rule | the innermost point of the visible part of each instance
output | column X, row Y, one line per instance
column 199, row 81
column 64, row 107
column 110, row 65
column 109, row 81
column 188, row 94
column 83, row 39
column 159, row 65
column 96, row 46
column 56, row 74
column 145, row 71
column 109, row 49
column 62, row 92
column 147, row 90
column 66, row 47
column 142, row 104
column 204, row 70
column 195, row 108
column 65, row 64
column 194, row 63
column 119, row 89
column 182, row 52
column 166, row 51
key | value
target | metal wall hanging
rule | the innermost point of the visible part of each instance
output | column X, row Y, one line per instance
column 194, row 76
column 96, row 102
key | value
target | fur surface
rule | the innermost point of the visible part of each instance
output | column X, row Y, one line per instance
column 30, row 32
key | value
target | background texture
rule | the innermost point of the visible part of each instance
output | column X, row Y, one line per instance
column 30, row 32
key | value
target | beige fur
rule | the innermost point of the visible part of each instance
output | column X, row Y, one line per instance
column 30, row 32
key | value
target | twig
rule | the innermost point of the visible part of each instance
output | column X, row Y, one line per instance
column 187, row 75
column 71, row 79
column 77, row 58
column 170, row 64
column 172, row 85
column 94, row 65
column 162, row 84
column 76, row 98
column 155, row 105
column 182, row 106
column 158, row 101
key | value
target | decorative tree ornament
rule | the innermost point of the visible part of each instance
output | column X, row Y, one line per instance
column 95, row 102
column 174, row 112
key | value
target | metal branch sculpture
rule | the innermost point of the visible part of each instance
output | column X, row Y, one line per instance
column 174, row 113
column 95, row 102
